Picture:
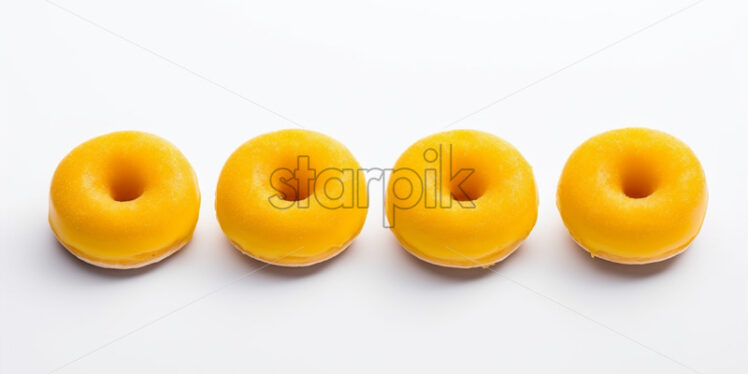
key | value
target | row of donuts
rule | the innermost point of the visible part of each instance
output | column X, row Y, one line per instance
column 461, row 198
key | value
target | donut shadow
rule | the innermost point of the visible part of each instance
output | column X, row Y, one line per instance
column 286, row 272
column 109, row 272
column 622, row 271
column 449, row 273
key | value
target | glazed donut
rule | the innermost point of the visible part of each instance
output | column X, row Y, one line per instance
column 291, row 198
column 124, row 200
column 633, row 196
column 461, row 198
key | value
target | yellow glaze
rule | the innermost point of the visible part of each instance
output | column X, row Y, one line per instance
column 266, row 211
column 455, row 221
column 124, row 200
column 633, row 196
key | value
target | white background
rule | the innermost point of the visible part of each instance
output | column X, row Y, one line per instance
column 376, row 75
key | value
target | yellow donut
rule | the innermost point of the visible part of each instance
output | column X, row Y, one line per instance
column 291, row 198
column 461, row 198
column 124, row 200
column 633, row 196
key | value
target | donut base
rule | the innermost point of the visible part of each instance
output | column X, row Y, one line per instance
column 634, row 260
column 164, row 253
column 296, row 264
column 408, row 248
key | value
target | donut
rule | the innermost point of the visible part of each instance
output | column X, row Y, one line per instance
column 124, row 200
column 291, row 198
column 633, row 196
column 461, row 199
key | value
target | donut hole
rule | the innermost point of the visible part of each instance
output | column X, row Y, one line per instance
column 638, row 180
column 291, row 191
column 126, row 183
column 467, row 188
column 298, row 184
